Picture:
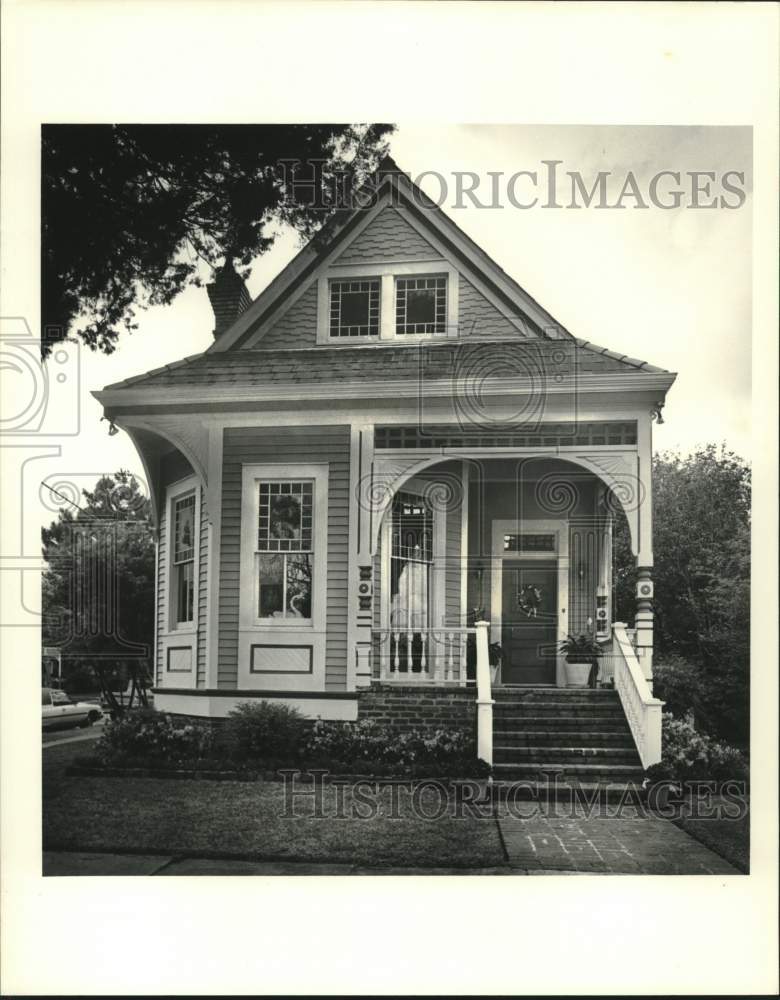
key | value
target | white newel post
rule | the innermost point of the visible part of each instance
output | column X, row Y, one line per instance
column 653, row 732
column 484, row 695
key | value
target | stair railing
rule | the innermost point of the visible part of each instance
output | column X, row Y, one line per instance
column 643, row 711
column 484, row 695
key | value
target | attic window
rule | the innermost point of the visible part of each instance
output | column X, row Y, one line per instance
column 421, row 305
column 354, row 308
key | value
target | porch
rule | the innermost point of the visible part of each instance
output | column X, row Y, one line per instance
column 482, row 567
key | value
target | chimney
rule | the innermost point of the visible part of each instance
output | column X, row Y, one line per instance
column 229, row 297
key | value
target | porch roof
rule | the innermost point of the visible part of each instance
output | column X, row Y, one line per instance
column 380, row 363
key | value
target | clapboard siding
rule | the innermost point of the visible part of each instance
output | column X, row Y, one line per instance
column 306, row 445
column 203, row 588
column 173, row 467
column 453, row 571
column 162, row 549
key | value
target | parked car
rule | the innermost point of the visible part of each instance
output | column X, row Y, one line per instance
column 60, row 710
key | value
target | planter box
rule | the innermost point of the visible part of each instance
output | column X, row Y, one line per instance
column 577, row 674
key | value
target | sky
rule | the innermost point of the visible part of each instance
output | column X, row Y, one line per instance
column 672, row 287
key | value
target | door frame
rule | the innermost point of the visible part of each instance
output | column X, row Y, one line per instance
column 558, row 527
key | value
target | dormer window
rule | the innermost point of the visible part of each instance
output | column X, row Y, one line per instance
column 421, row 305
column 393, row 301
column 354, row 308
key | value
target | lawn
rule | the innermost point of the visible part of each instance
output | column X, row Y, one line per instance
column 247, row 819
column 730, row 838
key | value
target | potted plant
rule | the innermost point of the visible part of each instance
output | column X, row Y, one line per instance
column 582, row 664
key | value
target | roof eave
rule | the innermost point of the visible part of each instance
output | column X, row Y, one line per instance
column 172, row 396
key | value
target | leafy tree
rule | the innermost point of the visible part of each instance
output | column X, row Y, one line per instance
column 132, row 214
column 701, row 545
column 98, row 586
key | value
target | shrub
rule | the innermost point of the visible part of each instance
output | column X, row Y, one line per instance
column 264, row 731
column 677, row 682
column 688, row 755
column 147, row 736
column 370, row 748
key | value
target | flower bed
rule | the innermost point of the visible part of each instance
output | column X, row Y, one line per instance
column 260, row 739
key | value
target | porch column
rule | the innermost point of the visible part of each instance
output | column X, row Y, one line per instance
column 360, row 618
column 644, row 622
column 644, row 584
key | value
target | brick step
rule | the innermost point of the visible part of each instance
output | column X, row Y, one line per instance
column 550, row 736
column 614, row 722
column 555, row 694
column 573, row 791
column 568, row 772
column 566, row 755
column 557, row 705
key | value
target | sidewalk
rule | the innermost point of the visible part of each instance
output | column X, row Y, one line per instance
column 616, row 845
column 83, row 863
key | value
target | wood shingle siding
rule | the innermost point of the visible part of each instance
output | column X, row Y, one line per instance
column 479, row 318
column 389, row 237
column 269, row 445
column 298, row 326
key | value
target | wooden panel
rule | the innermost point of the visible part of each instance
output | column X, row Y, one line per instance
column 276, row 659
column 258, row 445
column 178, row 659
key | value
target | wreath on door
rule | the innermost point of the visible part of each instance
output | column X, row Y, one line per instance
column 529, row 600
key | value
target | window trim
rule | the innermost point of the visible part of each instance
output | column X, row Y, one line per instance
column 174, row 492
column 417, row 277
column 252, row 476
column 387, row 272
column 353, row 338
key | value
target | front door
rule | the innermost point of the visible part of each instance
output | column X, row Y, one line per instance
column 529, row 622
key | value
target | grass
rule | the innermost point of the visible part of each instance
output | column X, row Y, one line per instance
column 730, row 838
column 247, row 819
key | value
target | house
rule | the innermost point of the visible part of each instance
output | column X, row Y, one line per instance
column 390, row 460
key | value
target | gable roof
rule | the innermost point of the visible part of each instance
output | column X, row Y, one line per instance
column 392, row 186
column 394, row 366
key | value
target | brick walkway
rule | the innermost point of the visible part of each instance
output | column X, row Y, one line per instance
column 629, row 844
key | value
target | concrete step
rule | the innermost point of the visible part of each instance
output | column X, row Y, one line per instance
column 553, row 736
column 534, row 771
column 566, row 755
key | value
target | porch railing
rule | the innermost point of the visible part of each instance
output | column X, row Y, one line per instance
column 643, row 711
column 440, row 656
column 422, row 655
